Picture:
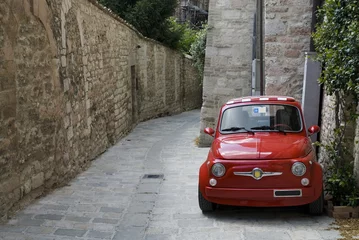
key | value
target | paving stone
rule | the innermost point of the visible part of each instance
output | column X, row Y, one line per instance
column 141, row 207
column 148, row 188
column 99, row 234
column 135, row 220
column 187, row 216
column 20, row 216
column 145, row 197
column 49, row 216
column 329, row 235
column 40, row 230
column 13, row 236
column 55, row 207
column 111, row 199
column 112, row 215
column 193, row 236
column 31, row 222
column 111, row 210
column 157, row 237
column 82, row 208
column 10, row 228
column 105, row 220
column 129, row 233
column 70, row 232
column 97, row 184
column 268, row 235
column 305, row 235
column 77, row 219
column 188, row 223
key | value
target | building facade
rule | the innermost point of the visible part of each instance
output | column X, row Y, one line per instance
column 193, row 11
column 231, row 52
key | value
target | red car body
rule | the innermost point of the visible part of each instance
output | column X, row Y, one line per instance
column 258, row 164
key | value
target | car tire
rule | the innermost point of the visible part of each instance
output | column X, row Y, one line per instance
column 316, row 207
column 205, row 205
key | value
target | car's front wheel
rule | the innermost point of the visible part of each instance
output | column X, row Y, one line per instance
column 316, row 207
column 204, row 204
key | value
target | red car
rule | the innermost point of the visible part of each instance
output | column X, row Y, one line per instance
column 261, row 156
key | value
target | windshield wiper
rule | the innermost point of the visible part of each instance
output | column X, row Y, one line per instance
column 262, row 128
column 268, row 128
column 235, row 129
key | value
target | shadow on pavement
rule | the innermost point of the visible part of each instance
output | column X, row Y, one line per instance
column 260, row 213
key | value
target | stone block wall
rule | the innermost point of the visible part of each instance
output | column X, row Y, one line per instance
column 74, row 79
column 190, row 92
column 356, row 151
column 328, row 119
column 228, row 62
column 287, row 38
column 327, row 125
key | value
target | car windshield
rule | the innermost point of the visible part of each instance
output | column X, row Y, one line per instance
column 266, row 117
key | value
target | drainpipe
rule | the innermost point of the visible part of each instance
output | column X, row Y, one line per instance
column 261, row 62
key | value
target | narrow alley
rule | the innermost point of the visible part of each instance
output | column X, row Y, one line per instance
column 145, row 187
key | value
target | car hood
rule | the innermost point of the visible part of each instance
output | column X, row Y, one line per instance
column 261, row 146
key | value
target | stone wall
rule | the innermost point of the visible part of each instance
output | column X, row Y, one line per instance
column 328, row 124
column 228, row 62
column 287, row 38
column 74, row 79
column 356, row 151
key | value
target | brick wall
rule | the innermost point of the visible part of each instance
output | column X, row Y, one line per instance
column 74, row 79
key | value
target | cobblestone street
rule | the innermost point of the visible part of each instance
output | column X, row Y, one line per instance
column 145, row 187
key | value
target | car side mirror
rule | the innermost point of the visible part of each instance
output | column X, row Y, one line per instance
column 313, row 129
column 209, row 131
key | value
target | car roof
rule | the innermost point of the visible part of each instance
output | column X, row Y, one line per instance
column 249, row 99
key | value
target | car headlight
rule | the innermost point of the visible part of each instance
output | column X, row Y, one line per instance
column 298, row 169
column 218, row 170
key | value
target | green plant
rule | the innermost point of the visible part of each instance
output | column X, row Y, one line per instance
column 120, row 7
column 150, row 17
column 198, row 50
column 187, row 34
column 340, row 180
column 337, row 44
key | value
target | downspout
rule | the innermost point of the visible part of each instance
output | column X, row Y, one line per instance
column 261, row 63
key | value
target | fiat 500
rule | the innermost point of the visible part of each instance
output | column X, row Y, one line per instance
column 261, row 156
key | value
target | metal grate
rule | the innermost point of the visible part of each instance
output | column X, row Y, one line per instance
column 153, row 176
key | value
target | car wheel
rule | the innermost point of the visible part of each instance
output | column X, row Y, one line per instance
column 316, row 207
column 204, row 204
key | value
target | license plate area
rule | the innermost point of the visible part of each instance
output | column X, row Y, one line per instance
column 288, row 193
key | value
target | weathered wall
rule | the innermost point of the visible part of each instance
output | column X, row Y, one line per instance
column 356, row 151
column 287, row 38
column 328, row 124
column 73, row 80
column 228, row 63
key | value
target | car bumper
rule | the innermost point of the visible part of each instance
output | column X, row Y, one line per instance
column 261, row 197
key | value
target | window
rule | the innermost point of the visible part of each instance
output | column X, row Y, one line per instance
column 266, row 117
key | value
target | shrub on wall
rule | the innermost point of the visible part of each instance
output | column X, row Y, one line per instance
column 337, row 45
column 187, row 35
column 150, row 17
column 198, row 50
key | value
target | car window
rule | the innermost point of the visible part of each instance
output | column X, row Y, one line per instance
column 267, row 117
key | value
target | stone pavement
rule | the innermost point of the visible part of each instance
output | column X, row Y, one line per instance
column 145, row 188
